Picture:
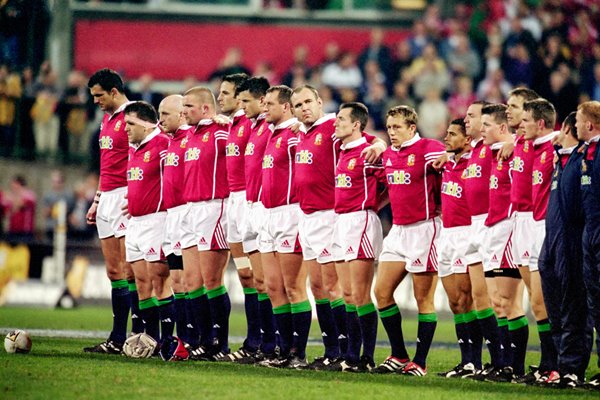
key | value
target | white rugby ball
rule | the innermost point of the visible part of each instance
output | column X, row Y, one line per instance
column 17, row 341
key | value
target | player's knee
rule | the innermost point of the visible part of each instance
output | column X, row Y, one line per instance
column 246, row 282
column 383, row 296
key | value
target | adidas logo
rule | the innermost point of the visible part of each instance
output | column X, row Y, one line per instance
column 189, row 326
column 341, row 336
column 166, row 320
column 177, row 245
column 277, row 332
column 494, row 258
column 202, row 240
column 470, row 341
column 487, row 341
column 151, row 252
column 417, row 263
column 286, row 244
column 324, row 334
column 526, row 254
column 133, row 316
column 325, row 253
column 418, row 340
column 122, row 227
column 458, row 263
column 262, row 332
column 388, row 163
column 349, row 251
column 512, row 346
column 296, row 334
column 460, row 341
column 501, row 347
column 216, row 326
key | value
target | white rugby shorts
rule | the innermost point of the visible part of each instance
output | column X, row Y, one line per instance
column 172, row 242
column 453, row 246
column 539, row 234
column 357, row 236
column 414, row 244
column 205, row 225
column 252, row 226
column 145, row 237
column 316, row 235
column 476, row 251
column 280, row 230
column 236, row 215
column 498, row 243
column 110, row 220
column 523, row 237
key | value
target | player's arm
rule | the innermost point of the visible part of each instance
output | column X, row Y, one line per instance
column 506, row 151
column 90, row 216
column 374, row 151
column 439, row 162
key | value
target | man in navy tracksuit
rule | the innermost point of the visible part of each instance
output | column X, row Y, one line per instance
column 561, row 262
column 588, row 130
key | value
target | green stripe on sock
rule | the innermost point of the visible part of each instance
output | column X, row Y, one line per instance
column 132, row 286
column 179, row 296
column 517, row 323
column 503, row 321
column 366, row 309
column 303, row 306
column 431, row 317
column 194, row 294
column 163, row 302
column 321, row 301
column 390, row 312
column 483, row 314
column 337, row 303
column 263, row 297
column 147, row 303
column 459, row 319
column 250, row 290
column 543, row 327
column 216, row 292
column 119, row 284
column 286, row 308
column 350, row 308
column 470, row 316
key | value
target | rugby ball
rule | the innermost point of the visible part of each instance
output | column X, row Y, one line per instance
column 17, row 341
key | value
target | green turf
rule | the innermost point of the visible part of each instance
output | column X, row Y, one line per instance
column 57, row 369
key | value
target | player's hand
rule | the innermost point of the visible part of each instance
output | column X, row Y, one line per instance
column 439, row 162
column 221, row 119
column 295, row 127
column 506, row 151
column 90, row 216
column 372, row 154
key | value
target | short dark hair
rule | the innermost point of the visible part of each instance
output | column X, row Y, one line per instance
column 257, row 86
column 541, row 109
column 144, row 111
column 236, row 79
column 497, row 111
column 461, row 123
column 526, row 93
column 358, row 112
column 570, row 123
column 284, row 93
column 107, row 79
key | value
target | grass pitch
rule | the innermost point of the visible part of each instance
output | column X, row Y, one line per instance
column 58, row 369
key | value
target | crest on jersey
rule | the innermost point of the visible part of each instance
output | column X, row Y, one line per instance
column 241, row 132
column 482, row 152
column 318, row 139
column 206, row 137
column 118, row 126
column 351, row 164
column 147, row 156
column 183, row 143
column 411, row 160
column 260, row 130
column 543, row 159
column 499, row 167
column 278, row 143
column 526, row 146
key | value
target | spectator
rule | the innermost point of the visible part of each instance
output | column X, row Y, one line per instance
column 494, row 86
column 73, row 120
column 332, row 54
column 376, row 52
column 45, row 122
column 343, row 74
column 146, row 93
column 230, row 64
column 433, row 115
column 373, row 76
column 462, row 97
column 518, row 66
column 265, row 69
column 77, row 225
column 403, row 59
column 10, row 93
column 50, row 201
column 300, row 69
column 418, row 39
column 561, row 92
column 462, row 59
column 19, row 206
column 330, row 105
column 376, row 99
column 401, row 96
column 428, row 71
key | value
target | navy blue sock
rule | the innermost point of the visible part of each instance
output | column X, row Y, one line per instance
column 201, row 316
column 475, row 337
column 220, row 308
column 137, row 325
column 463, row 338
column 120, row 299
column 518, row 330
column 149, row 314
column 489, row 330
column 338, row 310
column 425, row 332
column 327, row 325
column 549, row 360
column 267, row 325
column 192, row 331
column 392, row 322
column 166, row 314
column 180, row 317
column 253, row 338
column 505, row 348
column 367, row 315
column 301, row 319
column 354, row 334
column 283, row 322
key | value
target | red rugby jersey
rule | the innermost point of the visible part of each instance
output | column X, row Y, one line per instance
column 520, row 169
column 356, row 180
column 543, row 166
column 455, row 209
column 477, row 178
column 114, row 150
column 239, row 133
column 278, row 166
column 205, row 176
column 145, row 175
column 253, row 157
column 412, row 182
column 500, row 206
column 174, row 168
